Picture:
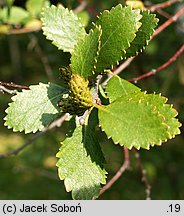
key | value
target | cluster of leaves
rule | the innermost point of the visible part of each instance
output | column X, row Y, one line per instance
column 16, row 17
column 131, row 118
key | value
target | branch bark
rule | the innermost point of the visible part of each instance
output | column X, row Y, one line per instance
column 119, row 173
column 162, row 5
column 168, row 22
column 166, row 64
column 13, row 85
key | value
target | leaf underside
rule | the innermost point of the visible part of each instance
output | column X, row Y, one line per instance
column 80, row 162
column 62, row 27
column 34, row 109
column 119, row 26
column 83, row 58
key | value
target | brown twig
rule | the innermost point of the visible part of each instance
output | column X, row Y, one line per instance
column 144, row 176
column 168, row 22
column 163, row 13
column 162, row 5
column 119, row 173
column 13, row 85
column 56, row 123
column 166, row 64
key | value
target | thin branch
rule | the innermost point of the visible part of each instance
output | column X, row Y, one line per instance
column 163, row 13
column 123, row 65
column 166, row 64
column 144, row 176
column 44, row 59
column 24, row 30
column 13, row 85
column 83, row 4
column 118, row 70
column 168, row 22
column 119, row 173
column 5, row 90
column 56, row 123
column 162, row 5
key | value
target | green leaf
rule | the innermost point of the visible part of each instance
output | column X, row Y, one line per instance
column 81, row 163
column 9, row 2
column 139, row 120
column 83, row 58
column 34, row 7
column 63, row 27
column 135, row 4
column 117, row 87
column 16, row 16
column 84, row 17
column 149, row 22
column 118, row 31
column 34, row 109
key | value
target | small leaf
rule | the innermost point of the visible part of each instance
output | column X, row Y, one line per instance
column 139, row 120
column 149, row 22
column 84, row 17
column 34, row 7
column 117, row 87
column 34, row 109
column 17, row 15
column 63, row 27
column 83, row 58
column 135, row 4
column 118, row 31
column 81, row 163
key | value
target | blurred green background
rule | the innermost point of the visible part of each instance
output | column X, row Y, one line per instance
column 29, row 59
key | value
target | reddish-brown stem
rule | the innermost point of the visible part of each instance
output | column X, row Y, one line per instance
column 162, row 5
column 163, row 13
column 166, row 64
column 13, row 85
column 119, row 173
column 124, row 65
column 168, row 22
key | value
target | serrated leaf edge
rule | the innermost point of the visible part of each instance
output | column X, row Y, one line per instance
column 147, row 41
column 128, row 42
column 99, row 44
column 159, row 143
column 13, row 98
column 43, row 27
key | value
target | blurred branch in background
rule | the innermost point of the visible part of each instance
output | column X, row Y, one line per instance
column 34, row 44
column 162, row 5
column 13, row 85
column 154, row 71
column 83, row 4
column 168, row 22
column 144, row 176
column 56, row 123
column 119, row 173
